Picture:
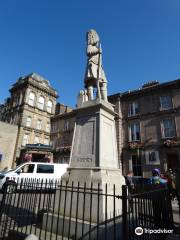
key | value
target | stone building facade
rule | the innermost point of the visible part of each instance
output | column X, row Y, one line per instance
column 62, row 128
column 8, row 136
column 150, row 127
column 147, row 128
column 30, row 107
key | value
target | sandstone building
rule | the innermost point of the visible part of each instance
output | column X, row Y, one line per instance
column 30, row 107
column 147, row 127
column 150, row 124
column 62, row 128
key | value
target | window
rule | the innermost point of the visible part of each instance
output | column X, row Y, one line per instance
column 28, row 168
column 168, row 128
column 165, row 102
column 134, row 131
column 49, row 106
column 46, row 141
column 28, row 121
column 36, row 140
column 136, row 165
column 66, row 126
column 48, row 127
column 39, row 124
column 25, row 139
column 133, row 108
column 31, row 99
column 42, row 168
column 41, row 103
column 152, row 157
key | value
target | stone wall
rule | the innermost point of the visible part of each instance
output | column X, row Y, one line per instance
column 8, row 136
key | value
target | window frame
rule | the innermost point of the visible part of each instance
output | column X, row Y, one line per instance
column 163, row 129
column 49, row 108
column 165, row 102
column 133, row 109
column 66, row 126
column 39, row 124
column 40, row 104
column 28, row 123
column 130, row 132
column 147, row 157
column 27, row 140
column 31, row 99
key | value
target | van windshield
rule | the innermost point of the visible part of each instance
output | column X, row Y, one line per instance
column 17, row 167
column 25, row 168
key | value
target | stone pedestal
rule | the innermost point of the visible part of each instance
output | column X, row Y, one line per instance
column 94, row 142
column 94, row 158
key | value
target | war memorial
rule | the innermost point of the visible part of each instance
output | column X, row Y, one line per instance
column 94, row 158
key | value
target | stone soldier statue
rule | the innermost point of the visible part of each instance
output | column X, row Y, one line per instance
column 95, row 76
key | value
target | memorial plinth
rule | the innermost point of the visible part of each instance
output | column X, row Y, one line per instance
column 94, row 156
column 94, row 142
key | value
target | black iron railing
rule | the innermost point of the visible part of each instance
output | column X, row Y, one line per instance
column 58, row 210
column 148, row 208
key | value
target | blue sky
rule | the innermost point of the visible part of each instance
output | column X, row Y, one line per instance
column 140, row 41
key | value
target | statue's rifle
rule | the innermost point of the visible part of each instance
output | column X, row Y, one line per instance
column 98, row 74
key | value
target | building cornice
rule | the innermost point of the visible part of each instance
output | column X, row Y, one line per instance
column 31, row 82
column 146, row 90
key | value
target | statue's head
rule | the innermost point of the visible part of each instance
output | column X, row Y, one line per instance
column 92, row 37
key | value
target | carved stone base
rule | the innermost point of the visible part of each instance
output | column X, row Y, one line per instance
column 94, row 141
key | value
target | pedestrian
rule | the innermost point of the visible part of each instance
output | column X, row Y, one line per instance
column 156, row 177
column 129, row 181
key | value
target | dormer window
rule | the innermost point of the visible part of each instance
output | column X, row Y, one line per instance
column 133, row 108
column 165, row 102
column 41, row 103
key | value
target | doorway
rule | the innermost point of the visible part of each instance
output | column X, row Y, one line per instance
column 173, row 161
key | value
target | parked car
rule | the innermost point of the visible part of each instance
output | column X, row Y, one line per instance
column 31, row 173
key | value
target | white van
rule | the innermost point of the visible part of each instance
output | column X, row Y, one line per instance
column 32, row 171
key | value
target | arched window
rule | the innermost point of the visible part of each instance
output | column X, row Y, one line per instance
column 41, row 103
column 31, row 99
column 28, row 121
column 49, row 106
